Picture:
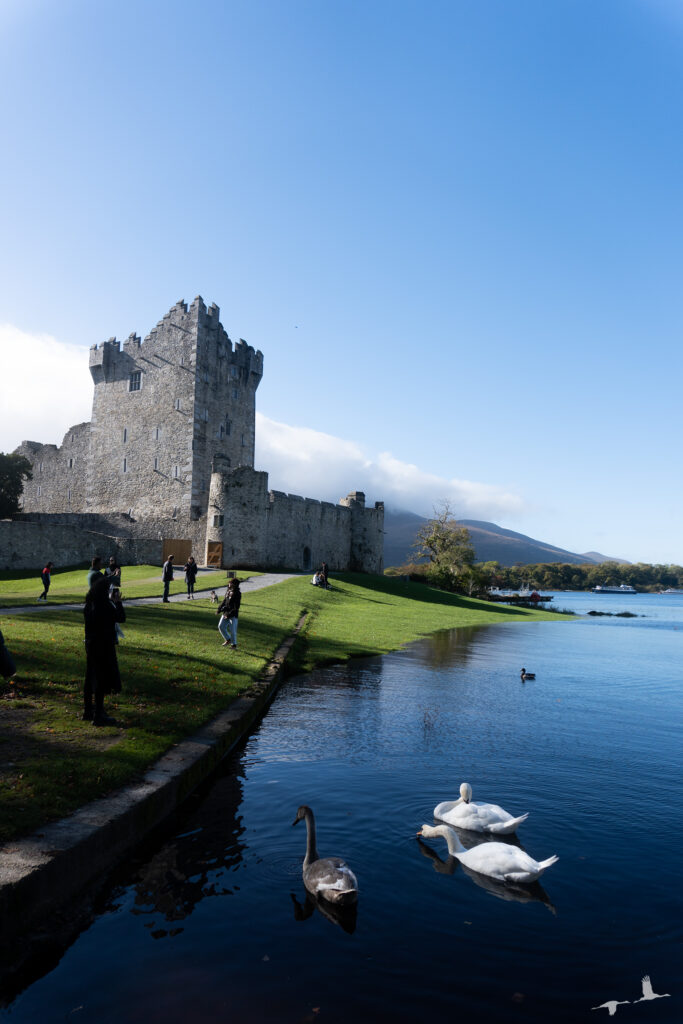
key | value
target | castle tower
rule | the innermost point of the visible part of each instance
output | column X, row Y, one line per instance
column 163, row 408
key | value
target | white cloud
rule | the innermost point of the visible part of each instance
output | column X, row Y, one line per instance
column 45, row 387
column 308, row 462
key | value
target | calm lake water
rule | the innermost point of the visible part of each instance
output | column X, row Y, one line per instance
column 212, row 924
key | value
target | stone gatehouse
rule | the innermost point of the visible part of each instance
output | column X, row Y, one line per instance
column 168, row 459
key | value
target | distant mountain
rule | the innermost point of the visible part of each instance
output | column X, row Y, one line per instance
column 595, row 556
column 492, row 543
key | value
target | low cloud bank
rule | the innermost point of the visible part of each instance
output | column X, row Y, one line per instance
column 317, row 465
column 46, row 387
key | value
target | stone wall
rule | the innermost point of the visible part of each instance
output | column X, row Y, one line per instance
column 29, row 545
column 59, row 474
column 163, row 408
column 169, row 454
column 274, row 529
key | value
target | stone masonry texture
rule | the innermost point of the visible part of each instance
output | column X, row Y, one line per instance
column 169, row 453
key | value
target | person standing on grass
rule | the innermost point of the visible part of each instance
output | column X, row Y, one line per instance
column 95, row 572
column 323, row 572
column 190, row 576
column 229, row 611
column 45, row 580
column 113, row 572
column 167, row 576
column 101, row 666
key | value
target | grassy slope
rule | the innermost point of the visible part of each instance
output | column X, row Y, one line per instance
column 176, row 675
column 69, row 587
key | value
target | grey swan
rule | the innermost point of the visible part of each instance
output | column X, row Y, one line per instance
column 327, row 878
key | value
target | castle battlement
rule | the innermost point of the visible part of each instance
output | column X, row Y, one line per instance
column 172, row 439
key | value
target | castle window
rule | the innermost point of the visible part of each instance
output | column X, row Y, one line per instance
column 176, row 472
column 135, row 381
column 156, row 463
column 40, row 467
column 40, row 490
column 242, row 441
column 157, row 433
column 177, row 403
column 228, row 426
column 71, row 463
column 221, row 430
column 234, row 372
column 218, row 520
column 206, row 415
column 125, row 465
column 125, row 434
column 68, row 495
column 182, row 360
column 235, row 393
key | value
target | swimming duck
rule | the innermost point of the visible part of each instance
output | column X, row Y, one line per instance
column 477, row 817
column 497, row 860
column 328, row 878
column 526, row 675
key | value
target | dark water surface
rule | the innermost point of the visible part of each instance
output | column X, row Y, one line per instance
column 213, row 925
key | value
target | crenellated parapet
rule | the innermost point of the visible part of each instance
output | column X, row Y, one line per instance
column 172, row 440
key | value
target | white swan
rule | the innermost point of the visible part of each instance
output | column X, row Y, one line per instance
column 497, row 860
column 477, row 817
column 327, row 878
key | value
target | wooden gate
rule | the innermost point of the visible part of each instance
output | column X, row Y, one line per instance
column 214, row 554
column 180, row 549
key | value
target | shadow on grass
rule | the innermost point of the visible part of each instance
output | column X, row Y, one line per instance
column 425, row 594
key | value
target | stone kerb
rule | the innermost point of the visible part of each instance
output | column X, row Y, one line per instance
column 47, row 871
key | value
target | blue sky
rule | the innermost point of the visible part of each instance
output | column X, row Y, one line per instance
column 453, row 228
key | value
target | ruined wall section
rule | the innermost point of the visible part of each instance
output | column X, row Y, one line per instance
column 303, row 532
column 29, row 545
column 59, row 472
column 272, row 529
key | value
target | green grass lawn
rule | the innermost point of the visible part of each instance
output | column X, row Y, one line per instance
column 69, row 586
column 176, row 676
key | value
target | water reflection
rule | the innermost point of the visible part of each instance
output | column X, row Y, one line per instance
column 196, row 864
column 451, row 647
column 534, row 893
column 345, row 917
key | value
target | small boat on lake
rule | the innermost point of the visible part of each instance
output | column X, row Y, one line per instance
column 623, row 589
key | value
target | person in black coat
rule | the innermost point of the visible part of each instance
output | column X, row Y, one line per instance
column 45, row 580
column 190, row 576
column 167, row 576
column 102, row 676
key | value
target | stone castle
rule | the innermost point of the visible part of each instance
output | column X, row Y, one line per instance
column 166, row 464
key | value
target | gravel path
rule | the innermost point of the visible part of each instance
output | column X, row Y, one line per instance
column 268, row 579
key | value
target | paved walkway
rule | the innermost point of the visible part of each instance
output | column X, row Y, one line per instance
column 256, row 583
